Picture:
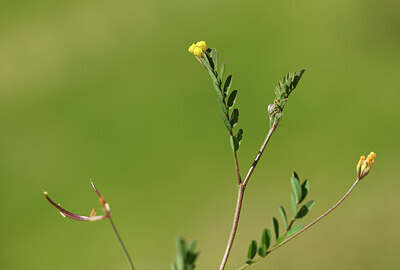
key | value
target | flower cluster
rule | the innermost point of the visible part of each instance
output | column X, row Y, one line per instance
column 198, row 48
column 365, row 164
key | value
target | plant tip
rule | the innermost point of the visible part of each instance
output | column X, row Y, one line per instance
column 198, row 48
column 364, row 165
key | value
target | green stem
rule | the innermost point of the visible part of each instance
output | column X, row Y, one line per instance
column 290, row 226
column 128, row 257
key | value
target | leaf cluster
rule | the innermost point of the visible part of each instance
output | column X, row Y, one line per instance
column 186, row 256
column 282, row 91
column 226, row 96
column 300, row 192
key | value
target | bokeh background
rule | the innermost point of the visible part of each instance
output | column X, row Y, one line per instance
column 107, row 90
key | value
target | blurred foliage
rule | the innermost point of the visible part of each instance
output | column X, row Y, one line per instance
column 186, row 256
column 106, row 90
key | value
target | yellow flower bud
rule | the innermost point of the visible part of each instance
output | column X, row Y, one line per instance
column 202, row 45
column 365, row 165
column 192, row 47
column 370, row 159
column 198, row 51
column 360, row 162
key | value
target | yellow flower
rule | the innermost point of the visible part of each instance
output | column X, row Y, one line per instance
column 192, row 47
column 202, row 45
column 198, row 48
column 198, row 52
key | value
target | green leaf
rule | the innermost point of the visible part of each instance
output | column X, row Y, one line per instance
column 296, row 186
column 232, row 98
column 173, row 266
column 293, row 204
column 180, row 262
column 277, row 91
column 195, row 255
column 218, row 91
column 223, row 106
column 239, row 135
column 181, row 245
column 210, row 70
column 305, row 209
column 283, row 102
column 227, row 85
column 192, row 246
column 214, row 56
column 248, row 261
column 283, row 215
column 221, row 71
column 278, row 115
column 297, row 77
column 208, row 54
column 226, row 122
column 305, row 188
column 294, row 229
column 262, row 251
column 206, row 63
column 252, row 250
column 234, row 117
column 234, row 143
column 275, row 223
column 278, row 241
column 266, row 238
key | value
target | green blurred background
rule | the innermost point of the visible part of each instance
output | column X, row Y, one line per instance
column 107, row 90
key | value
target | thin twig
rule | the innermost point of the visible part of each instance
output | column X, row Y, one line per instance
column 290, row 226
column 264, row 145
column 306, row 227
column 121, row 243
column 238, row 177
column 107, row 209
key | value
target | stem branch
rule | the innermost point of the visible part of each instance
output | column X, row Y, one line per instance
column 263, row 146
column 241, row 189
column 320, row 217
column 308, row 226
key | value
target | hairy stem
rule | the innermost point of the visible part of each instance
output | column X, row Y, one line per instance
column 238, row 177
column 241, row 189
column 263, row 146
column 128, row 257
column 234, row 226
column 308, row 226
